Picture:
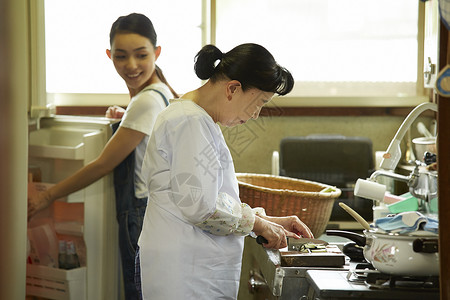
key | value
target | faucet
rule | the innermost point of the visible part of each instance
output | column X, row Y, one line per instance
column 39, row 112
column 370, row 188
column 393, row 153
column 412, row 180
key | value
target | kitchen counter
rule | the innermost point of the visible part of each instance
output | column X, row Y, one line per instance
column 335, row 285
column 264, row 276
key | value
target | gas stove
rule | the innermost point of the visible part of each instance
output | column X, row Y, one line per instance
column 369, row 284
column 364, row 273
column 274, row 274
column 266, row 275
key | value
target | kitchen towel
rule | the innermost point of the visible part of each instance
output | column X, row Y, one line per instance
column 407, row 222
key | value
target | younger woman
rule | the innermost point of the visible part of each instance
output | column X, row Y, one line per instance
column 134, row 52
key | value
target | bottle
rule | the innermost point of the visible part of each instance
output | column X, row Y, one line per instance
column 72, row 260
column 62, row 254
column 34, row 174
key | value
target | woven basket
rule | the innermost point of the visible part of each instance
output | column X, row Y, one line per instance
column 284, row 196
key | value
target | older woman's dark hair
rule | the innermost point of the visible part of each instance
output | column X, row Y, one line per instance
column 250, row 64
column 139, row 24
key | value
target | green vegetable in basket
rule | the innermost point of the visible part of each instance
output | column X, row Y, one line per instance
column 329, row 189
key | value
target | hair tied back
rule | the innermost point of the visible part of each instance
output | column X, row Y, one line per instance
column 217, row 62
column 206, row 61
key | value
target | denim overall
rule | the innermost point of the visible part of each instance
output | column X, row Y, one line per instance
column 130, row 216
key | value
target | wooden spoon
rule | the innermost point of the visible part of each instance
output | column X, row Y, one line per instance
column 355, row 215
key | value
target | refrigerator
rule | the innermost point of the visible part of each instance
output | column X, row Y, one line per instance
column 61, row 146
column 27, row 137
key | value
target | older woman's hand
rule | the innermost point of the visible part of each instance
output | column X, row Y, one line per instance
column 292, row 224
column 274, row 233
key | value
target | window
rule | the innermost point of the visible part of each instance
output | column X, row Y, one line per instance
column 333, row 48
column 77, row 35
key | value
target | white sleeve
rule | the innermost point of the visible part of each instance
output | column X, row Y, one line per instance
column 142, row 111
column 230, row 217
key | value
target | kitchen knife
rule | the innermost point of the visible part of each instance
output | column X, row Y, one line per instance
column 261, row 240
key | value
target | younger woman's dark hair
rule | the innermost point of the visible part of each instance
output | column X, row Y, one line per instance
column 139, row 24
column 250, row 64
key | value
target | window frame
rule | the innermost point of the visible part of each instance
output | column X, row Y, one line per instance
column 209, row 36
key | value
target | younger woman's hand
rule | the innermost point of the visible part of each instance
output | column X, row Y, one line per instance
column 114, row 112
column 37, row 200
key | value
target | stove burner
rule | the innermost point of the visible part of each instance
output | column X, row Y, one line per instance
column 386, row 281
column 366, row 274
column 359, row 274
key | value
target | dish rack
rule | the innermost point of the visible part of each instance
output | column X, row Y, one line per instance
column 331, row 159
column 284, row 196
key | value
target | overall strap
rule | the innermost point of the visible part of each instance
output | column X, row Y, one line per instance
column 162, row 95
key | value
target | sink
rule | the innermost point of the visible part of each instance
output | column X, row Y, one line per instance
column 60, row 142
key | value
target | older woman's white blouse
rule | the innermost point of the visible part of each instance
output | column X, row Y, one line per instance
column 192, row 238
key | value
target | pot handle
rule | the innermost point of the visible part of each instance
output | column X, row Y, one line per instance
column 426, row 245
column 359, row 239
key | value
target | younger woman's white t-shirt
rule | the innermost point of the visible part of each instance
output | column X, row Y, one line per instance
column 141, row 115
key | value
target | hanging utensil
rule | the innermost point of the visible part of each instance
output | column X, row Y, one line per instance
column 423, row 130
column 409, row 155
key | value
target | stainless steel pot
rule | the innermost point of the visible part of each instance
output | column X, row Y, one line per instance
column 414, row 254
column 426, row 189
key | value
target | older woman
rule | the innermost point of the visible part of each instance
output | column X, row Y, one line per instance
column 194, row 226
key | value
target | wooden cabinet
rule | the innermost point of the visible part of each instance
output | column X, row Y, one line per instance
column 443, row 171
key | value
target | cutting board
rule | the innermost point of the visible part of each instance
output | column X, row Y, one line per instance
column 333, row 257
